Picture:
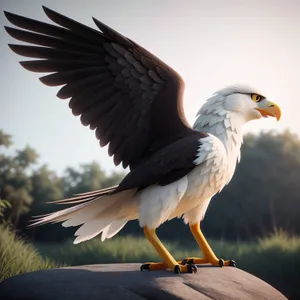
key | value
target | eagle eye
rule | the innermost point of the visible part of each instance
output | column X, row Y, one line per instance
column 256, row 97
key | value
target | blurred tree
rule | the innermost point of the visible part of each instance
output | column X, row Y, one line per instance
column 46, row 187
column 26, row 157
column 88, row 177
column 5, row 139
column 15, row 185
column 113, row 179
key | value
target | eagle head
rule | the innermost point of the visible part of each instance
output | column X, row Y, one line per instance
column 246, row 101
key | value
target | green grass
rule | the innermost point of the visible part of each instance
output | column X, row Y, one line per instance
column 18, row 257
column 120, row 249
column 276, row 260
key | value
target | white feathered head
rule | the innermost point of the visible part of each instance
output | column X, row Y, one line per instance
column 242, row 101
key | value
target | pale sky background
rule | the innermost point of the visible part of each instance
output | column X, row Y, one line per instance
column 210, row 43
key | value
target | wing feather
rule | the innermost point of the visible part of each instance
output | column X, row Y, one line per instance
column 64, row 77
column 73, row 88
column 129, row 97
column 51, row 53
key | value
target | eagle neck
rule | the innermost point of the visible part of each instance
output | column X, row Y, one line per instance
column 228, row 128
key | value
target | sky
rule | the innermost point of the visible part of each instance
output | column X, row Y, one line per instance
column 211, row 44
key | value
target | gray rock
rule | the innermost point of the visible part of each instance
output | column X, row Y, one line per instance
column 126, row 281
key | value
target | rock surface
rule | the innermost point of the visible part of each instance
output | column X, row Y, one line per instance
column 125, row 281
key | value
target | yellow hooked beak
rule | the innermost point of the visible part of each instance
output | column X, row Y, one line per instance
column 268, row 108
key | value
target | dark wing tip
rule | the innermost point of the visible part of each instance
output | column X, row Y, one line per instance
column 26, row 65
column 44, row 80
column 113, row 34
column 51, row 14
column 55, row 16
column 15, row 48
column 48, row 10
column 11, row 17
column 7, row 14
column 15, row 33
column 35, row 66
column 99, row 24
column 8, row 30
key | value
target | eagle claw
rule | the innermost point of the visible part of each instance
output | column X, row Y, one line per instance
column 177, row 269
column 189, row 261
column 192, row 268
column 145, row 267
column 232, row 263
column 188, row 268
column 221, row 262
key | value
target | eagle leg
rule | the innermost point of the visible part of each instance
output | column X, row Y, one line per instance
column 209, row 255
column 168, row 260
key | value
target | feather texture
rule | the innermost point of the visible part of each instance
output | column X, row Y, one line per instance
column 95, row 66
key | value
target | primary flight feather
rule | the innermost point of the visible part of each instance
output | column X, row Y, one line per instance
column 133, row 101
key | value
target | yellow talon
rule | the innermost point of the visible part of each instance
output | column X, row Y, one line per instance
column 178, row 268
column 199, row 261
column 187, row 265
column 168, row 260
column 209, row 255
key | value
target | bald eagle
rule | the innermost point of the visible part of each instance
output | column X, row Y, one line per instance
column 133, row 101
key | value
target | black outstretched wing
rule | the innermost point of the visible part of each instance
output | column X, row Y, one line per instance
column 130, row 97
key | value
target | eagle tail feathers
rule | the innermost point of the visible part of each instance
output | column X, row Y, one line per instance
column 106, row 214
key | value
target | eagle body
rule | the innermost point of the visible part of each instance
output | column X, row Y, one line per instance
column 158, row 190
column 190, row 193
column 153, row 204
column 133, row 102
